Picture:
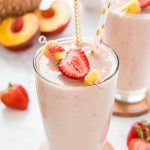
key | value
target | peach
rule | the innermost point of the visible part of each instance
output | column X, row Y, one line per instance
column 19, row 33
column 55, row 19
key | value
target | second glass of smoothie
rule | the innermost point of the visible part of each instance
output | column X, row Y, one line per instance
column 76, row 116
column 129, row 35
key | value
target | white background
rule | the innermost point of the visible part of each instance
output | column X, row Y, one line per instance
column 23, row 130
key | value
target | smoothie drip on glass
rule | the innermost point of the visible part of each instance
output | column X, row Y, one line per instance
column 76, row 116
column 129, row 35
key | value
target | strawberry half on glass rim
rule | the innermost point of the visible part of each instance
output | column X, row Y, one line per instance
column 75, row 65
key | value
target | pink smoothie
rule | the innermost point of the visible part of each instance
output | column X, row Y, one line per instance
column 129, row 35
column 76, row 116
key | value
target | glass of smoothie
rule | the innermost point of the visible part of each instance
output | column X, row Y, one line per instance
column 76, row 112
column 129, row 33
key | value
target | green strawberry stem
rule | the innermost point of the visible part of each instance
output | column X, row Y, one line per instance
column 140, row 132
column 10, row 85
column 147, row 134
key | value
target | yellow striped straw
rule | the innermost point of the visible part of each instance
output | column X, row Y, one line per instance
column 77, row 21
column 101, row 25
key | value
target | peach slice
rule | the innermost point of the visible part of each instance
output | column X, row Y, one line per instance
column 19, row 33
column 55, row 19
column 133, row 6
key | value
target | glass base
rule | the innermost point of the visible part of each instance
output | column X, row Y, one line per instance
column 131, row 96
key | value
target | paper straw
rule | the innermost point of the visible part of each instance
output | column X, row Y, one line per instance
column 101, row 25
column 77, row 21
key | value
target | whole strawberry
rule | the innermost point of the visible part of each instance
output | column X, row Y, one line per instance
column 16, row 97
column 139, row 136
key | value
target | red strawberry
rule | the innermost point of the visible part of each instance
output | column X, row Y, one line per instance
column 75, row 65
column 138, row 144
column 15, row 96
column 133, row 133
column 144, row 3
column 139, row 130
column 54, row 48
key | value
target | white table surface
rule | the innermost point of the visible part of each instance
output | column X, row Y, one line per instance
column 23, row 130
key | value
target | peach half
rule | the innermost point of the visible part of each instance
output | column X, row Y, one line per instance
column 55, row 19
column 19, row 33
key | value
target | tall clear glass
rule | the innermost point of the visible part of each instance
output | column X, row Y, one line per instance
column 76, row 118
column 129, row 35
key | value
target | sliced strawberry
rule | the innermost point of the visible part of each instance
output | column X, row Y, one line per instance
column 54, row 48
column 144, row 3
column 75, row 65
column 138, row 144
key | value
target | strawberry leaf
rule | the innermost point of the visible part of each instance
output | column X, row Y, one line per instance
column 147, row 134
column 139, row 132
column 10, row 85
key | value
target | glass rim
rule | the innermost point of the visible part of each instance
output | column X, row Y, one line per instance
column 141, row 16
column 72, row 38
